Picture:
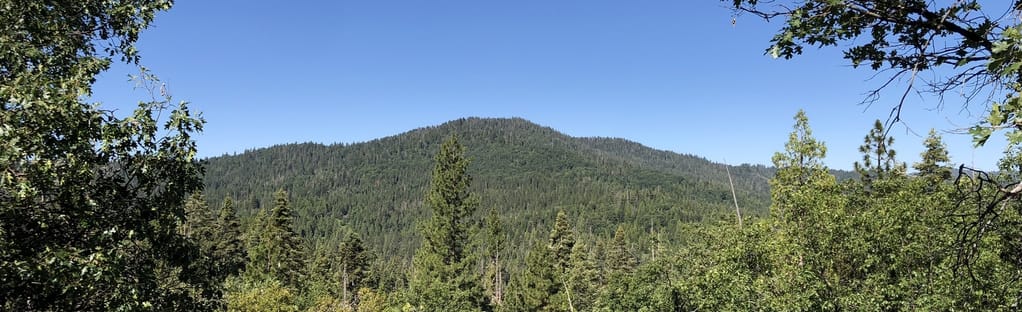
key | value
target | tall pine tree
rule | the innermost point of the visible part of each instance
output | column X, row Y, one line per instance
column 536, row 288
column 583, row 278
column 352, row 265
column 878, row 160
column 444, row 277
column 562, row 240
column 230, row 250
column 620, row 260
column 276, row 252
column 496, row 242
column 199, row 226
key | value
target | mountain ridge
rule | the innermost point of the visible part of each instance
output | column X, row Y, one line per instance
column 524, row 170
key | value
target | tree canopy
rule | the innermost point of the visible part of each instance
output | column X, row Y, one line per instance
column 89, row 202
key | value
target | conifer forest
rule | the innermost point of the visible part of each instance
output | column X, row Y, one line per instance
column 112, row 212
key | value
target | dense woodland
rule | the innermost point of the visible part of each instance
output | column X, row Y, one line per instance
column 885, row 239
column 524, row 171
column 107, row 213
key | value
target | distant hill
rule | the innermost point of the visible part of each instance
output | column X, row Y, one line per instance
column 525, row 171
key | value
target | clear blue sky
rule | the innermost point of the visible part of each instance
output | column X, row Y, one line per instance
column 673, row 75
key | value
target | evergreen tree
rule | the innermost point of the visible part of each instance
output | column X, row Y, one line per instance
column 322, row 288
column 620, row 259
column 198, row 220
column 587, row 177
column 352, row 265
column 798, row 167
column 562, row 240
column 496, row 242
column 230, row 249
column 583, row 278
column 537, row 287
column 443, row 276
column 805, row 199
column 277, row 251
column 878, row 160
column 934, row 163
column 199, row 227
column 338, row 269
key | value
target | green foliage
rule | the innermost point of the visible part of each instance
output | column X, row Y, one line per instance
column 800, row 169
column 536, row 288
column 648, row 289
column 934, row 163
column 371, row 301
column 723, row 268
column 338, row 271
column 878, row 160
column 827, row 245
column 524, row 171
column 229, row 249
column 884, row 246
column 275, row 250
column 1004, row 65
column 802, row 158
column 210, row 264
column 980, row 52
column 90, row 202
column 261, row 296
column 443, row 277
column 620, row 259
column 496, row 243
column 562, row 240
column 584, row 278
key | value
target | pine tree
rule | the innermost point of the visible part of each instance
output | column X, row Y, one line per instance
column 277, row 250
column 199, row 223
column 322, row 288
column 353, row 265
column 496, row 242
column 935, row 159
column 803, row 154
column 536, row 289
column 338, row 269
column 878, row 160
column 798, row 167
column 583, row 278
column 198, row 228
column 444, row 277
column 619, row 258
column 562, row 240
column 230, row 249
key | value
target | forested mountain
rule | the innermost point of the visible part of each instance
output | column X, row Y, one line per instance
column 525, row 171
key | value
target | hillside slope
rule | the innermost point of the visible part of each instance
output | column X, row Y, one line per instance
column 525, row 171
